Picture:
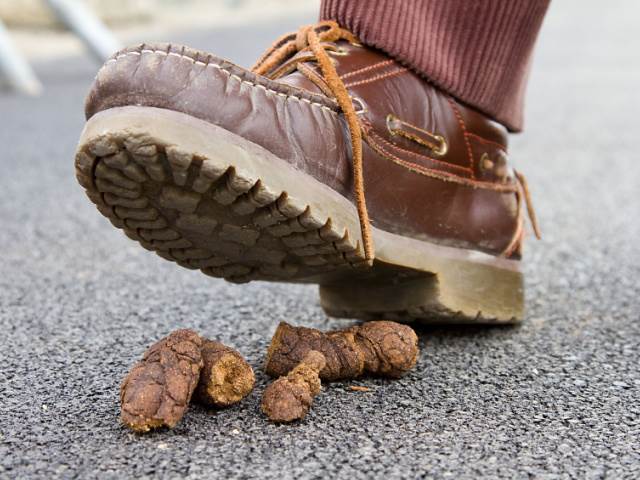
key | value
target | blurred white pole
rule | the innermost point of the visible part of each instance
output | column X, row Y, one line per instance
column 14, row 68
column 79, row 19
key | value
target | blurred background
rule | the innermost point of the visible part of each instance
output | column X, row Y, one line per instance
column 40, row 30
column 38, row 33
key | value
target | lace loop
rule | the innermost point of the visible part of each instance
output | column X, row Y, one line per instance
column 524, row 187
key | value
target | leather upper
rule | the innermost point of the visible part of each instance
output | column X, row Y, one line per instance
column 434, row 169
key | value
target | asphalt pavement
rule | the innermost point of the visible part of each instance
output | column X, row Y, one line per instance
column 557, row 397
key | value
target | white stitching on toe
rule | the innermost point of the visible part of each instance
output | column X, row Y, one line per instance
column 219, row 67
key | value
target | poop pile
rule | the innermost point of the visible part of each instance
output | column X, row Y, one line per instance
column 185, row 366
column 303, row 356
column 159, row 388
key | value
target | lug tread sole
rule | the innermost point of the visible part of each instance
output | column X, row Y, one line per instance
column 190, row 211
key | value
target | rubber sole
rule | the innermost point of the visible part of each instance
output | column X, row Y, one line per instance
column 207, row 199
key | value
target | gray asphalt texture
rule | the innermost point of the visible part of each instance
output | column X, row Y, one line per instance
column 557, row 397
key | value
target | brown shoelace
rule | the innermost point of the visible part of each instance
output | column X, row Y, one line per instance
column 317, row 40
column 524, row 186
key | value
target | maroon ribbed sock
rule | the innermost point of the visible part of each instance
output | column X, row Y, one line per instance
column 477, row 50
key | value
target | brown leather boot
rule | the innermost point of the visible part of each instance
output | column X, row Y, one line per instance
column 329, row 163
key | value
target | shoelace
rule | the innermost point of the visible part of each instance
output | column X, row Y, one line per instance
column 524, row 187
column 317, row 40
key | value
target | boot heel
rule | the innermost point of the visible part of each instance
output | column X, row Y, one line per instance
column 461, row 292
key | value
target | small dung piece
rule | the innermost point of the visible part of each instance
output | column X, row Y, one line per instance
column 226, row 378
column 290, row 397
column 157, row 390
column 383, row 348
column 359, row 388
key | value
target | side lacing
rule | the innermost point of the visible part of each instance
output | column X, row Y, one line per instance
column 518, row 235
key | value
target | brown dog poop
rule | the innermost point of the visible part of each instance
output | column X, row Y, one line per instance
column 157, row 391
column 290, row 397
column 382, row 348
column 226, row 378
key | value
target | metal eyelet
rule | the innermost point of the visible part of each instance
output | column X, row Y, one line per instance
column 362, row 108
column 486, row 163
column 339, row 52
column 443, row 148
column 390, row 118
column 498, row 167
column 438, row 147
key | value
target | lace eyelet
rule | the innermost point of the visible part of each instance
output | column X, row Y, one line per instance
column 390, row 118
column 362, row 108
column 486, row 164
column 443, row 148
column 339, row 52
column 437, row 144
